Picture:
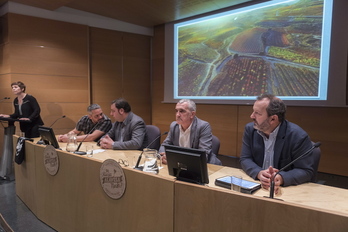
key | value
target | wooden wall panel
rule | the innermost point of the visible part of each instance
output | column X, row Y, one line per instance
column 137, row 74
column 106, row 51
column 120, row 67
column 51, row 58
column 4, row 59
column 42, row 46
column 137, row 87
column 326, row 125
column 48, row 33
column 162, row 114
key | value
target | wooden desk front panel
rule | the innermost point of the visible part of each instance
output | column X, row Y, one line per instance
column 198, row 208
column 25, row 175
column 73, row 199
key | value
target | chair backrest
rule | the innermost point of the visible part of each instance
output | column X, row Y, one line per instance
column 153, row 132
column 216, row 145
column 316, row 154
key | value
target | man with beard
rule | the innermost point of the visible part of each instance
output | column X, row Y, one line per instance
column 129, row 130
column 270, row 142
column 94, row 119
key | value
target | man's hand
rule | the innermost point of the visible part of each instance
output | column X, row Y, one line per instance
column 63, row 138
column 278, row 181
column 163, row 158
column 106, row 142
column 265, row 177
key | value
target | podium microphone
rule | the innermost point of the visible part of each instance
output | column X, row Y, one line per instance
column 40, row 141
column 90, row 132
column 271, row 191
column 5, row 98
column 137, row 164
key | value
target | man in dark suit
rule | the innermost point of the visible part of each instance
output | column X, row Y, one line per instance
column 190, row 131
column 270, row 142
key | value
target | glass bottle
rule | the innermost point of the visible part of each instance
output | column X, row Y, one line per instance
column 71, row 146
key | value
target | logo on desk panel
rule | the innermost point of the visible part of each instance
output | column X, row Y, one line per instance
column 51, row 160
column 112, row 179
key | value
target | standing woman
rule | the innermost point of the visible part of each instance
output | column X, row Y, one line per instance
column 27, row 110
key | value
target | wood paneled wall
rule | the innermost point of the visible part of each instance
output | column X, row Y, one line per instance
column 68, row 66
column 323, row 124
column 51, row 58
column 120, row 67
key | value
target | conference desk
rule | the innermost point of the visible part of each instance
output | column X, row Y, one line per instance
column 73, row 199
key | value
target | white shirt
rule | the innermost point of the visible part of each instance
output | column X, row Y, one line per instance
column 184, row 138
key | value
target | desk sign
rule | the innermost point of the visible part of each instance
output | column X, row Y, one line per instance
column 112, row 179
column 51, row 160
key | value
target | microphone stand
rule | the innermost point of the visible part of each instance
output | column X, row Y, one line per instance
column 78, row 148
column 42, row 142
column 271, row 191
column 139, row 158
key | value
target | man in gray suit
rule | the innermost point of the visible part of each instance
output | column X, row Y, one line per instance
column 189, row 131
column 128, row 132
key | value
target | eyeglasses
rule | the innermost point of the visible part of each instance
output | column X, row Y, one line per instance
column 123, row 162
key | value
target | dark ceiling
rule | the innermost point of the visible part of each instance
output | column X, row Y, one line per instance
column 146, row 13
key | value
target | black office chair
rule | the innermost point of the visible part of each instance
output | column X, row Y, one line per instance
column 317, row 155
column 153, row 132
column 216, row 145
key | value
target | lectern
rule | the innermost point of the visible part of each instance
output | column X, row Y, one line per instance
column 6, row 162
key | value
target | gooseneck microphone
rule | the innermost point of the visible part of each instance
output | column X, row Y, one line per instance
column 90, row 132
column 57, row 120
column 139, row 158
column 40, row 141
column 271, row 191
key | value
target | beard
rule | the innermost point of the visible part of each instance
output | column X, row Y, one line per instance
column 264, row 126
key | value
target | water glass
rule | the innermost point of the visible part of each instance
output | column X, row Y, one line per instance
column 89, row 150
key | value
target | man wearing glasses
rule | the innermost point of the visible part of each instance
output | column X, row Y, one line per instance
column 270, row 142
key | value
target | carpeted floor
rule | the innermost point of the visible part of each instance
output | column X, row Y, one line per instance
column 4, row 226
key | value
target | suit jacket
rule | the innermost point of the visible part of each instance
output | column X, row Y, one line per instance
column 200, row 138
column 134, row 135
column 291, row 142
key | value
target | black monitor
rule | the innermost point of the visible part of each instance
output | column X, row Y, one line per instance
column 48, row 137
column 187, row 164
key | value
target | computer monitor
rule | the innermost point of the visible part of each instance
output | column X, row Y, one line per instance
column 187, row 164
column 48, row 137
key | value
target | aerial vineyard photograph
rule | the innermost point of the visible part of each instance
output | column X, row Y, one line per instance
column 274, row 49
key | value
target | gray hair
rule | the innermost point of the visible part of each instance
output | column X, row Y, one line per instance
column 191, row 104
column 93, row 107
